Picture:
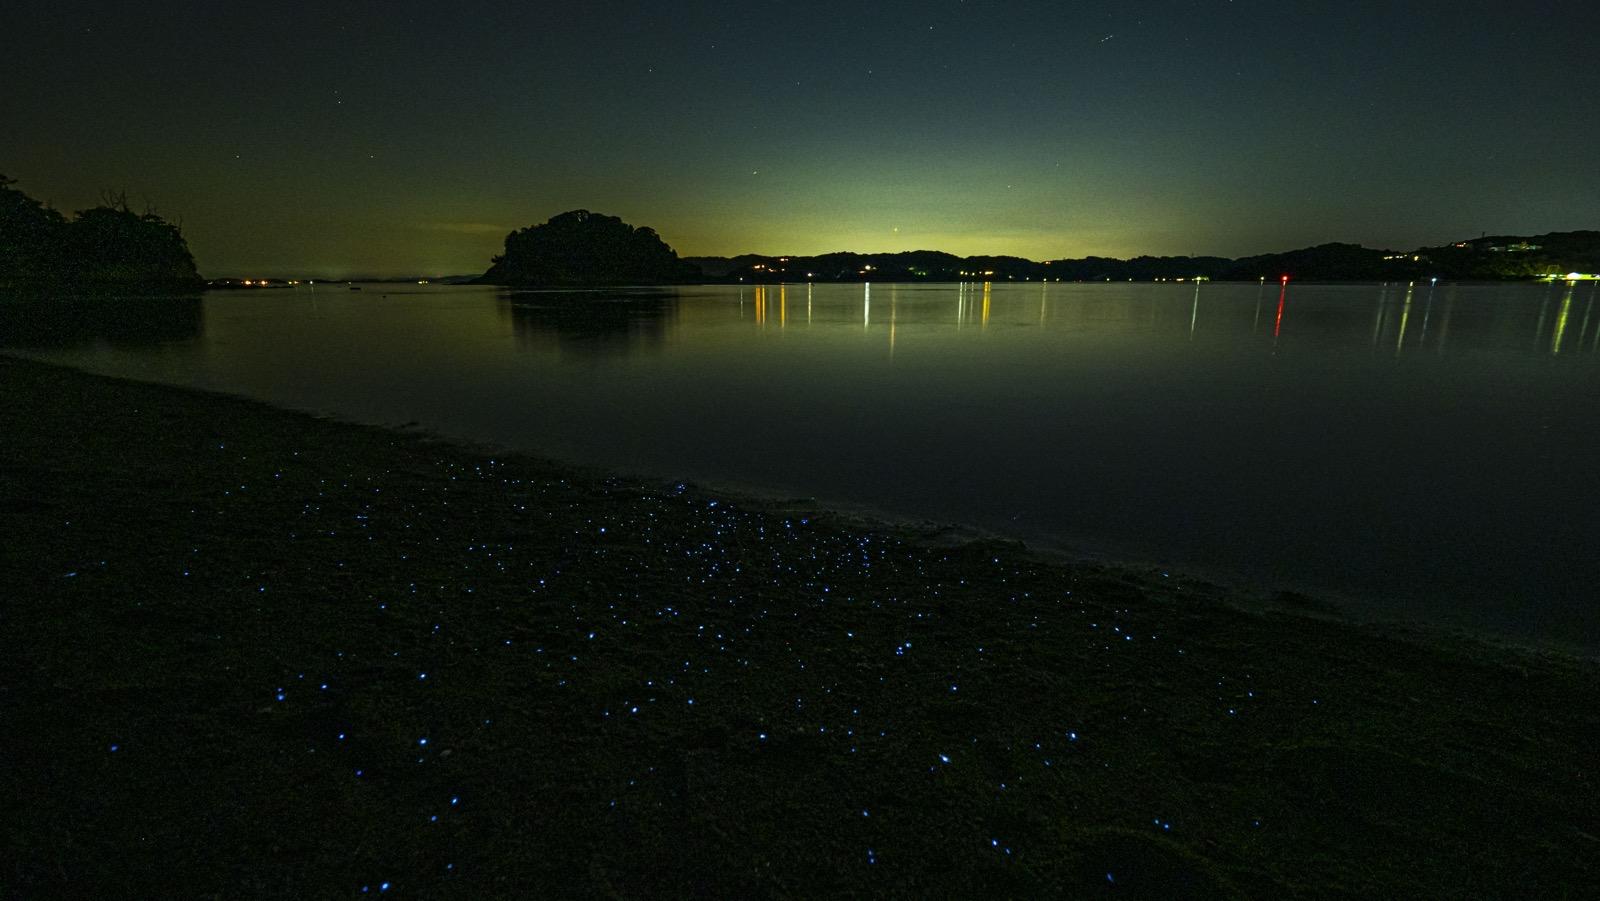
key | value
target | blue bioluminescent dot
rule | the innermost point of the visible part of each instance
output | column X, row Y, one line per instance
column 358, row 773
column 422, row 741
column 454, row 801
column 341, row 736
column 762, row 736
column 434, row 818
column 114, row 748
column 384, row 887
column 421, row 676
column 1109, row 878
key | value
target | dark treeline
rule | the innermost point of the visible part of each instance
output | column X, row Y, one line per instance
column 1500, row 257
column 109, row 246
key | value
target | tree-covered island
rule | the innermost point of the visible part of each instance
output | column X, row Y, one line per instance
column 584, row 248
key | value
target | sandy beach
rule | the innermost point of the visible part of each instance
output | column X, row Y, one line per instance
column 251, row 652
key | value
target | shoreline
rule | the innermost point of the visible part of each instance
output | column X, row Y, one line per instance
column 1235, row 589
column 542, row 676
column 1248, row 591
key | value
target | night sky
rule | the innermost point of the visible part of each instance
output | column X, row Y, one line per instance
column 338, row 138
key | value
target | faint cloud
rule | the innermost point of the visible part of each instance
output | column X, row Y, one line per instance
column 465, row 228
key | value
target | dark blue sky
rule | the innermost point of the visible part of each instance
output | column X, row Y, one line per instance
column 401, row 137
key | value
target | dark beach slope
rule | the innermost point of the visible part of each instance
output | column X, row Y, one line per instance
column 248, row 652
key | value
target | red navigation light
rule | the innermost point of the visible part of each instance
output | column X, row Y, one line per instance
column 1286, row 279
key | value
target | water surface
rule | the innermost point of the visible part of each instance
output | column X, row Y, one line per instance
column 1429, row 449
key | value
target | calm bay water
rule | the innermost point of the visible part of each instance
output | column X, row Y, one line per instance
column 1426, row 450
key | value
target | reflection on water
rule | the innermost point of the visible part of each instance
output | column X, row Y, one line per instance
column 116, row 321
column 1426, row 444
column 591, row 321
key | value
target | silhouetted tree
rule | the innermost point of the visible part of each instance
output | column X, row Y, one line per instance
column 115, row 244
column 30, row 235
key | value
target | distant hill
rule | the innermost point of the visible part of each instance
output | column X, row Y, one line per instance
column 1502, row 257
column 1517, row 256
column 108, row 247
column 584, row 248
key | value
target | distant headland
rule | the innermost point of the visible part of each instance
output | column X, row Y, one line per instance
column 108, row 247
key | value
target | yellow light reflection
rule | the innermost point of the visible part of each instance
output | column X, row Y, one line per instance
column 1405, row 316
column 986, row 287
column 894, row 304
column 1588, row 309
column 1377, row 319
column 1561, row 322
column 1194, row 312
